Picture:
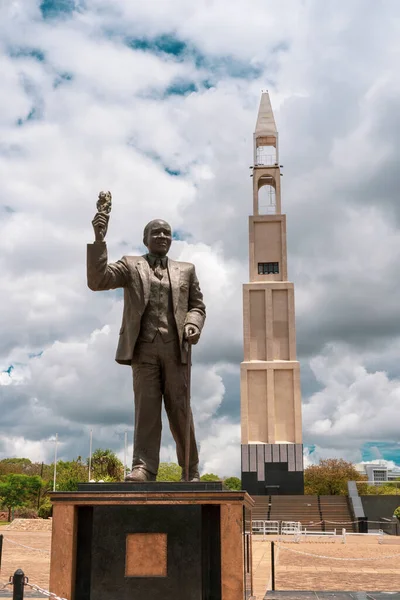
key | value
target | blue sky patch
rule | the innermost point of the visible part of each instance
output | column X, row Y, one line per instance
column 166, row 44
column 381, row 450
column 173, row 172
column 35, row 354
column 181, row 88
column 178, row 235
column 51, row 9
column 227, row 66
column 35, row 53
column 62, row 78
column 33, row 115
column 310, row 448
column 219, row 66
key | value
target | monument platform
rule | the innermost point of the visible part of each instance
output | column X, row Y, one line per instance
column 154, row 540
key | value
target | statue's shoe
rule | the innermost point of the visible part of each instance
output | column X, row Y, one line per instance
column 140, row 474
column 194, row 477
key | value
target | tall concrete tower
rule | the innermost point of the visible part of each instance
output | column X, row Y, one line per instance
column 272, row 450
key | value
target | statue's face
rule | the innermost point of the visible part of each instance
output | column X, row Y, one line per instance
column 159, row 238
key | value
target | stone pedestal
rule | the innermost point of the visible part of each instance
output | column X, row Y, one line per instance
column 151, row 540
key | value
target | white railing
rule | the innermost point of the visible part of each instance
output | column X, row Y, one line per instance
column 296, row 532
column 265, row 159
column 388, row 483
column 265, row 527
column 290, row 527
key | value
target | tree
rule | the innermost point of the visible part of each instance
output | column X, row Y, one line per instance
column 210, row 477
column 330, row 477
column 70, row 473
column 19, row 466
column 18, row 490
column 233, row 483
column 106, row 464
column 169, row 472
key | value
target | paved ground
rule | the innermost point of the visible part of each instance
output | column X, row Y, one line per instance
column 294, row 571
column 331, row 596
column 34, row 563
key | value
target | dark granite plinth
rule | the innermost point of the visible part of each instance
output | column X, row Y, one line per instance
column 107, row 546
column 152, row 486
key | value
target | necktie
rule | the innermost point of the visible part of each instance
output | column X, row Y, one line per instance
column 158, row 272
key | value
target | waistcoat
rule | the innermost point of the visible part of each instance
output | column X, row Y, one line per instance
column 158, row 316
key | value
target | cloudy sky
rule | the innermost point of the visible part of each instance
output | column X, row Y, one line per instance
column 157, row 102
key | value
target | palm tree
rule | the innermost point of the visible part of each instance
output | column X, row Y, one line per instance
column 106, row 465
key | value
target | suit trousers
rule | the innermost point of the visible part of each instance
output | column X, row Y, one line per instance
column 158, row 373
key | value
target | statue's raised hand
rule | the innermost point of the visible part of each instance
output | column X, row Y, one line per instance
column 100, row 222
column 100, row 226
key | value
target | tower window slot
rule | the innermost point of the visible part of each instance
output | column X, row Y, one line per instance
column 267, row 268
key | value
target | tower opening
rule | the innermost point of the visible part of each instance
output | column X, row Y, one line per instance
column 267, row 200
column 266, row 155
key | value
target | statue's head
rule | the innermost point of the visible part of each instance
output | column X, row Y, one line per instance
column 157, row 237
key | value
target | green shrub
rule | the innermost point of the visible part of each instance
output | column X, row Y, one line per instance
column 46, row 509
column 397, row 513
column 233, row 483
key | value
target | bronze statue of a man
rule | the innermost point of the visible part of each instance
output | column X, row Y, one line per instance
column 163, row 311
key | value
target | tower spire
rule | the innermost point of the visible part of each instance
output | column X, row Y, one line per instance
column 265, row 124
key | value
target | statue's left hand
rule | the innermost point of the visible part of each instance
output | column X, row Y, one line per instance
column 192, row 334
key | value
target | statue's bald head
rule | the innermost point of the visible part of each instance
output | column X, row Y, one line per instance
column 157, row 237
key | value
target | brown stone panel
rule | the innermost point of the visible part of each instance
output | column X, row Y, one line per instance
column 114, row 498
column 258, row 424
column 63, row 550
column 257, row 325
column 146, row 555
column 267, row 245
column 232, row 568
column 280, row 324
column 284, row 405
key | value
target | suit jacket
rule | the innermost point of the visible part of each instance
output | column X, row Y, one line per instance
column 133, row 274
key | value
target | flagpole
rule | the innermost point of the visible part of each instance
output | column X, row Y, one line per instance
column 90, row 454
column 125, row 452
column 55, row 464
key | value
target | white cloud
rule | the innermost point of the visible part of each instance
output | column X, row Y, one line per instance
column 354, row 405
column 109, row 124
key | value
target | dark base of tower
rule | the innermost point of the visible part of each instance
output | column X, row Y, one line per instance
column 269, row 469
column 279, row 482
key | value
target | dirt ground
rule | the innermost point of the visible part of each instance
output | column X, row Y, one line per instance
column 294, row 571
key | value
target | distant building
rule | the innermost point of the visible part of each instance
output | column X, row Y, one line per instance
column 378, row 471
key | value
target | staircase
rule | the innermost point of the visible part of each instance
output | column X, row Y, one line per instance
column 309, row 510
column 262, row 509
column 335, row 512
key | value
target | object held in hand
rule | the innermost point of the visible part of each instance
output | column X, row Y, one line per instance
column 104, row 203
